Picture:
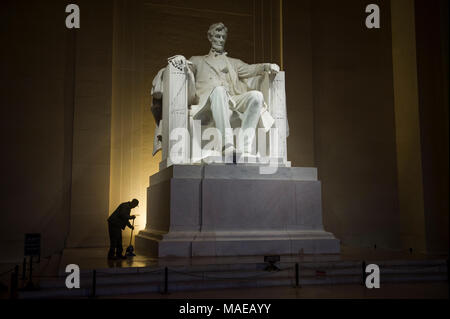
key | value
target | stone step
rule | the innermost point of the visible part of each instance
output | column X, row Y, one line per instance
column 118, row 281
column 190, row 268
column 383, row 270
column 54, row 293
column 407, row 263
column 262, row 266
column 178, row 275
column 380, row 263
column 137, row 288
column 174, row 276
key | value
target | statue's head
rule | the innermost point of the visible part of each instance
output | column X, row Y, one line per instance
column 217, row 35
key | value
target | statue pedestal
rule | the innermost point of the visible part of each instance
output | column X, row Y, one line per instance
column 233, row 210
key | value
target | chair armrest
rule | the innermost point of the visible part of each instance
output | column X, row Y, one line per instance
column 175, row 111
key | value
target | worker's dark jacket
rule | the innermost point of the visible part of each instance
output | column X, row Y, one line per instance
column 120, row 217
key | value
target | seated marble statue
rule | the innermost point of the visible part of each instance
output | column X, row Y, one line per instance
column 218, row 91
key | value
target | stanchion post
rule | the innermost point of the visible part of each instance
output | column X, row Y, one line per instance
column 94, row 283
column 296, row 275
column 166, row 280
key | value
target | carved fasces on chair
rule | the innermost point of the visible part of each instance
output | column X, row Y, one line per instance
column 277, row 108
column 175, row 118
column 273, row 88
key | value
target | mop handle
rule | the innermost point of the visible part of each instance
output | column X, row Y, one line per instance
column 131, row 237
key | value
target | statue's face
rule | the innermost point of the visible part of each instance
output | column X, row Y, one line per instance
column 218, row 40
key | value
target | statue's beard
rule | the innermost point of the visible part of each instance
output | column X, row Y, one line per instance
column 218, row 48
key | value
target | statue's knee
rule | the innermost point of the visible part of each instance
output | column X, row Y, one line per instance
column 257, row 97
column 219, row 91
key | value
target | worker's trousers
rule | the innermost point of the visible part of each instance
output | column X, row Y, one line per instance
column 115, row 239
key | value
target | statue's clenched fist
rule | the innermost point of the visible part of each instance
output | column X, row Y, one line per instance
column 179, row 62
column 272, row 68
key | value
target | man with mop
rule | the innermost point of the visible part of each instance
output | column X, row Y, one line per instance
column 116, row 223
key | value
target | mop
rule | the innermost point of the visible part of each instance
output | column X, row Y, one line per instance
column 130, row 248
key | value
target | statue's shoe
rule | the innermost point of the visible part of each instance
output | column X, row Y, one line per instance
column 229, row 150
column 247, row 158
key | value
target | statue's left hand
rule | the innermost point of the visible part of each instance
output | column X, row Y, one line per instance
column 271, row 68
column 274, row 68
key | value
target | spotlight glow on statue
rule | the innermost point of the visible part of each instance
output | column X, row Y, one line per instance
column 226, row 95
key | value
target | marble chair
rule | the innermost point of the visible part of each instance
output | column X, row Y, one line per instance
column 178, row 118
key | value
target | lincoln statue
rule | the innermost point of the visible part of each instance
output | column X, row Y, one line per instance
column 217, row 87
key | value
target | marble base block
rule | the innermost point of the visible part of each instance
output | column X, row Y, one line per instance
column 233, row 210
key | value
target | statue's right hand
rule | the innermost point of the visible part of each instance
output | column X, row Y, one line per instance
column 178, row 61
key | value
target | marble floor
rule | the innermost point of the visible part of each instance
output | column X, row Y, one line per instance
column 95, row 258
column 435, row 290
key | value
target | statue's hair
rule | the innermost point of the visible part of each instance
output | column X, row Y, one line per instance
column 216, row 27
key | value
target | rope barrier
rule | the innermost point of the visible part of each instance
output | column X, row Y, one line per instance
column 98, row 273
column 109, row 274
column 151, row 272
column 263, row 274
column 437, row 266
column 133, row 273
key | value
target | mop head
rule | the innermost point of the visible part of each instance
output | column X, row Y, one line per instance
column 130, row 251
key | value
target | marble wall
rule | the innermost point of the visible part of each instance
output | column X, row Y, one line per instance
column 407, row 124
column 349, row 108
column 432, row 34
column 378, row 137
column 91, row 126
column 36, row 124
